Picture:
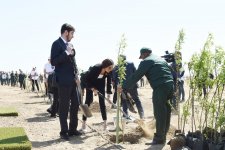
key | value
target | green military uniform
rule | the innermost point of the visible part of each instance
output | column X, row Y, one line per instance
column 160, row 78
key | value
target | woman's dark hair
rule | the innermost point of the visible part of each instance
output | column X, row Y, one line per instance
column 67, row 27
column 107, row 62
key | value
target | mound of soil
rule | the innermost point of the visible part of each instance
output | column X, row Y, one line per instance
column 142, row 130
column 148, row 129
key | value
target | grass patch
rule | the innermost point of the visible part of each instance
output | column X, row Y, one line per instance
column 8, row 111
column 14, row 138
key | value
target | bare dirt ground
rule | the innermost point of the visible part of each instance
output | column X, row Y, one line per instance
column 43, row 131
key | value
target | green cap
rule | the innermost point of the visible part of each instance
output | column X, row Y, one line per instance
column 145, row 50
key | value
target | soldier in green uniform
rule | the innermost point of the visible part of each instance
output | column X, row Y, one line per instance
column 160, row 78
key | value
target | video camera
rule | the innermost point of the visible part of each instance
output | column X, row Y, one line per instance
column 169, row 57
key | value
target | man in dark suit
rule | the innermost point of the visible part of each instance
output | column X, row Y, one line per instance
column 62, row 57
column 130, row 69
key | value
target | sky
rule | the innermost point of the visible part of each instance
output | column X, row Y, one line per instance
column 28, row 29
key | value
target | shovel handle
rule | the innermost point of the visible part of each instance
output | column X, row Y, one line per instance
column 80, row 92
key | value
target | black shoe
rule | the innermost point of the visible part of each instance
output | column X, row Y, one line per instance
column 49, row 110
column 75, row 133
column 53, row 115
column 156, row 142
column 64, row 137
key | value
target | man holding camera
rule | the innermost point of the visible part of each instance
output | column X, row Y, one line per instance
column 159, row 76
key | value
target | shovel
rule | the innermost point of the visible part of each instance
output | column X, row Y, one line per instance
column 84, row 107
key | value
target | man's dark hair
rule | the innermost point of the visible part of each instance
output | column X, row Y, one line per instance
column 106, row 63
column 67, row 27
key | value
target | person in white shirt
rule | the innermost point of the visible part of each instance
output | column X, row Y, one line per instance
column 4, row 78
column 34, row 79
column 48, row 69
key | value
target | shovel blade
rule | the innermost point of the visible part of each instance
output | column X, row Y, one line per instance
column 86, row 111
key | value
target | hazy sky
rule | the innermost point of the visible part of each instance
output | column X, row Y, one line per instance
column 28, row 28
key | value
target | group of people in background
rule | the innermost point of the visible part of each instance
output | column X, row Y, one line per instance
column 9, row 78
column 13, row 79
column 21, row 79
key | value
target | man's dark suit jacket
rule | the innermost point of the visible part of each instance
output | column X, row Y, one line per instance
column 130, row 69
column 65, row 66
